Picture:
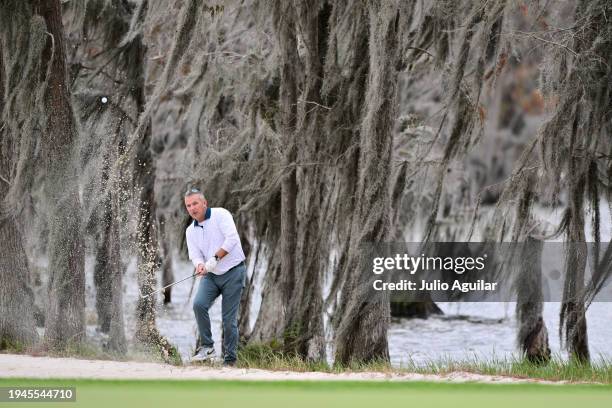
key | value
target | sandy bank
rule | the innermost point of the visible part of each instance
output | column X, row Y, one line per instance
column 23, row 366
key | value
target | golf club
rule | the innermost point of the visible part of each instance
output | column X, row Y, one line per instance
column 167, row 286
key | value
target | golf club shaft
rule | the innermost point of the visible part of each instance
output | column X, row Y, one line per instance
column 167, row 286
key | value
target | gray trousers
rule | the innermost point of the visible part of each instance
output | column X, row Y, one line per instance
column 229, row 286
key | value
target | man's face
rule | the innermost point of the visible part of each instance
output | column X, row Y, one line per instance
column 196, row 206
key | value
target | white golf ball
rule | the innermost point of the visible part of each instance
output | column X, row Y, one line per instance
column 104, row 99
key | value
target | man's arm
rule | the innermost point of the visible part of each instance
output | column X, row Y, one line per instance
column 221, row 253
column 230, row 233
column 211, row 264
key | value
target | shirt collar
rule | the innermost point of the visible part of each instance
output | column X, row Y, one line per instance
column 206, row 216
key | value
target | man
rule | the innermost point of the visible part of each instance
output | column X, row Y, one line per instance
column 216, row 252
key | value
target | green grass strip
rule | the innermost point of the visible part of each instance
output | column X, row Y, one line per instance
column 318, row 394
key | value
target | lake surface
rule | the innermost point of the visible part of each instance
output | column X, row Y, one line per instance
column 486, row 330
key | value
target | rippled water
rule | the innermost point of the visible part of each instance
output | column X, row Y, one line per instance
column 484, row 330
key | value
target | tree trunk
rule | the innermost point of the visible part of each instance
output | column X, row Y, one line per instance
column 303, row 333
column 147, row 242
column 346, row 117
column 147, row 238
column 295, row 282
column 148, row 259
column 167, row 274
column 101, row 272
column 418, row 310
column 573, row 317
column 65, row 322
column 532, row 333
column 362, row 331
column 108, row 273
column 244, row 321
column 268, row 327
column 17, row 323
column 284, row 24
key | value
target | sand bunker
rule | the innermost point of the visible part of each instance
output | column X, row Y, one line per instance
column 24, row 366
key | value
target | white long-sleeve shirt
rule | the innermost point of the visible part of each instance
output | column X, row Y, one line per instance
column 216, row 231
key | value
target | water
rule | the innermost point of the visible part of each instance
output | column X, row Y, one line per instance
column 467, row 330
column 486, row 331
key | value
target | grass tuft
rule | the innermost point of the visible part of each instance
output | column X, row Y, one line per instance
column 269, row 356
column 11, row 346
column 557, row 369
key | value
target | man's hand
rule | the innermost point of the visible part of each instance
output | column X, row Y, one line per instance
column 201, row 270
column 211, row 264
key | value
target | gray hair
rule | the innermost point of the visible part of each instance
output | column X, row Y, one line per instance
column 193, row 191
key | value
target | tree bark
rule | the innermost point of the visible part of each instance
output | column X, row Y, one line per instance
column 101, row 272
column 65, row 322
column 244, row 321
column 268, row 327
column 148, row 257
column 532, row 334
column 167, row 274
column 350, row 102
column 284, row 20
column 17, row 323
column 303, row 333
column 108, row 270
column 362, row 331
column 573, row 311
